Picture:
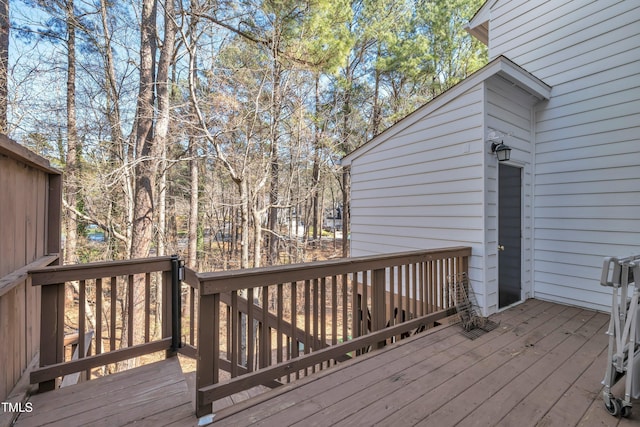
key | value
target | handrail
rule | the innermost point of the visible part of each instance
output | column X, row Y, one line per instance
column 227, row 281
column 337, row 301
column 56, row 274
column 13, row 279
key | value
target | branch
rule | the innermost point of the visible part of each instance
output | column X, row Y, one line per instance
column 261, row 42
column 100, row 224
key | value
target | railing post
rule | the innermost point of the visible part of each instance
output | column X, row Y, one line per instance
column 378, row 303
column 177, row 275
column 51, row 330
column 208, row 362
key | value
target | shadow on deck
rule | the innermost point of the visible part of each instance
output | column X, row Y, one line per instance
column 542, row 366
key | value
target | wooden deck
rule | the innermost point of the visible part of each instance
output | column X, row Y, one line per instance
column 151, row 395
column 542, row 366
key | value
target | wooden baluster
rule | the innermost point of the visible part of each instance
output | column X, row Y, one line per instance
column 345, row 309
column 130, row 307
column 82, row 317
column 265, row 333
column 355, row 306
column 279, row 331
column 391, row 297
column 407, row 293
column 294, row 351
column 427, row 294
column 98, row 315
column 443, row 274
column 307, row 319
column 400, row 314
column 315, row 315
column 113, row 308
column 429, row 299
column 250, row 331
column 365, row 303
column 323, row 314
column 433, row 278
column 229, row 334
column 334, row 310
column 400, row 295
column 378, row 299
column 447, row 277
column 147, row 307
column 315, row 318
column 234, row 348
column 414, row 284
column 422, row 289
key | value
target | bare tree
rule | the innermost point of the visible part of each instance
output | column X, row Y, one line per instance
column 71, row 168
column 4, row 62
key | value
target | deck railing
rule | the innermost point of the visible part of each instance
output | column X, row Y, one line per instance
column 271, row 325
column 264, row 326
column 121, row 310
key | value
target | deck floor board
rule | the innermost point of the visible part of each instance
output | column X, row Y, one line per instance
column 542, row 366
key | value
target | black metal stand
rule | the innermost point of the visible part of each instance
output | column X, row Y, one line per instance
column 177, row 275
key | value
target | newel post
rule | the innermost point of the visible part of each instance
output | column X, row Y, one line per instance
column 378, row 302
column 51, row 330
column 207, row 362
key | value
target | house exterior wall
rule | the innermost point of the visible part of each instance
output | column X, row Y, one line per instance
column 423, row 188
column 508, row 112
column 586, row 178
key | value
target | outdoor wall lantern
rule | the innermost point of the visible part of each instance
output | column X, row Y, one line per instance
column 503, row 152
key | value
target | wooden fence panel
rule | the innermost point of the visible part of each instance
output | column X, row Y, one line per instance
column 29, row 212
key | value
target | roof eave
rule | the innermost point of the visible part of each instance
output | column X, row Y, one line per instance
column 522, row 78
column 478, row 26
column 480, row 32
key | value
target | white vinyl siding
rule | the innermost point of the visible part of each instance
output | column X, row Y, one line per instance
column 587, row 154
column 423, row 188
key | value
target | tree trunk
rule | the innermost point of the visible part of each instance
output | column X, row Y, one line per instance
column 192, row 251
column 315, row 178
column 145, row 165
column 346, row 210
column 71, row 167
column 4, row 62
column 145, row 170
column 162, row 125
column 244, row 224
column 276, row 106
column 120, row 148
column 377, row 109
column 257, row 236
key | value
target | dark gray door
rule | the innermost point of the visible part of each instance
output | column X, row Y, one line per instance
column 509, row 234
